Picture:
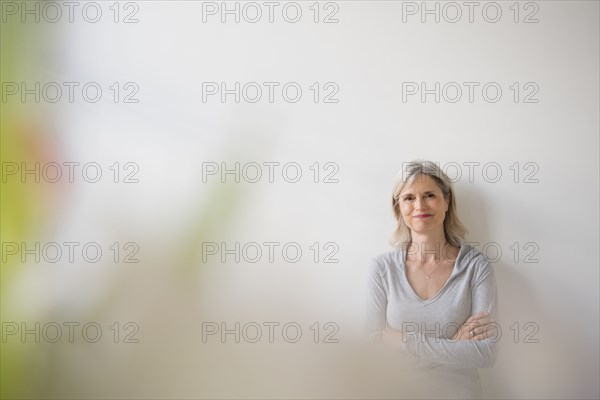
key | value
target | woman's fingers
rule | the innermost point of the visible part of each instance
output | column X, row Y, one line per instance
column 488, row 331
column 475, row 317
column 481, row 322
column 476, row 327
column 464, row 333
column 483, row 331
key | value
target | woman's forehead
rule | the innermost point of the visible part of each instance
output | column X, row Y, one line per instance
column 423, row 183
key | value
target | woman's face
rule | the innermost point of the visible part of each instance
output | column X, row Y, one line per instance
column 423, row 206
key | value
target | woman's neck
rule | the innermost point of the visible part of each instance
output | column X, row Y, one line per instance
column 428, row 248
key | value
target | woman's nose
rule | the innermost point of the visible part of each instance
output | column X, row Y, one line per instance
column 418, row 203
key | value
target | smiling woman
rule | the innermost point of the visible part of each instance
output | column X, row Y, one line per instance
column 434, row 297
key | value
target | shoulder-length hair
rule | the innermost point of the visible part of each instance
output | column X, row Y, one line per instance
column 454, row 230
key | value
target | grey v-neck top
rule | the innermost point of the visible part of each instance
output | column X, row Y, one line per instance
column 430, row 324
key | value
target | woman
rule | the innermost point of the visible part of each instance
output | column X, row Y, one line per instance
column 434, row 297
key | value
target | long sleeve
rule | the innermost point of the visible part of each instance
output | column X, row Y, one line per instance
column 464, row 353
column 376, row 301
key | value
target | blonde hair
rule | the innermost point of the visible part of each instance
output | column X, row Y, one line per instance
column 454, row 230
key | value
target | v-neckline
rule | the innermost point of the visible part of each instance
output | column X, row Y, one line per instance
column 435, row 296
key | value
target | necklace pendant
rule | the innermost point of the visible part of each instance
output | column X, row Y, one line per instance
column 428, row 277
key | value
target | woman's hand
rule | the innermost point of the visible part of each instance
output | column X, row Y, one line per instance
column 477, row 327
column 393, row 338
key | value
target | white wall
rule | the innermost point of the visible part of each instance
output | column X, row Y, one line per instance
column 368, row 134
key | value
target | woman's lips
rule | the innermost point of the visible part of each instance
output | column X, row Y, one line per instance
column 423, row 216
